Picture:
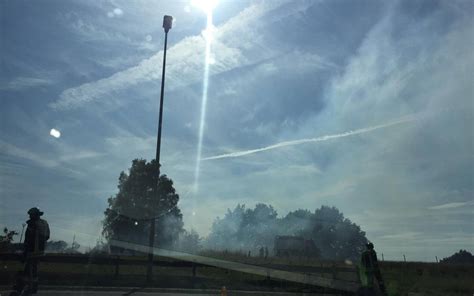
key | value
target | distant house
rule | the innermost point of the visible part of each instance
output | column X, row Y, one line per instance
column 295, row 246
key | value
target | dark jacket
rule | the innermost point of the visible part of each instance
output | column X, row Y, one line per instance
column 370, row 270
column 36, row 235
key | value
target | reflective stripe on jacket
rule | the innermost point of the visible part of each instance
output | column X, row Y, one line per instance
column 368, row 267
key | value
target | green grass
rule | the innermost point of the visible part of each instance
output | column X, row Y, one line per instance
column 400, row 277
column 293, row 261
column 428, row 278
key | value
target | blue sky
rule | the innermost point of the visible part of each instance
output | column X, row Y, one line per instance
column 389, row 81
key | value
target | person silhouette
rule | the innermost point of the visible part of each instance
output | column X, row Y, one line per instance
column 36, row 235
column 369, row 272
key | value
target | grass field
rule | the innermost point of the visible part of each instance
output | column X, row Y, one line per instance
column 401, row 278
column 428, row 278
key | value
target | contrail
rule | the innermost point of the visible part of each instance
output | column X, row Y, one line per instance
column 402, row 120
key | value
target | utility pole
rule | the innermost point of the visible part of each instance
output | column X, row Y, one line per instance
column 167, row 24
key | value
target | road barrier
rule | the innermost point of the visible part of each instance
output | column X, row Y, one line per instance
column 333, row 277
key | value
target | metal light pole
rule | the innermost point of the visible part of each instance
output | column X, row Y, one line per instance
column 22, row 230
column 167, row 23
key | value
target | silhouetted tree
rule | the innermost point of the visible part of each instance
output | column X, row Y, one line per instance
column 337, row 237
column 189, row 241
column 461, row 257
column 258, row 226
column 56, row 246
column 101, row 248
column 6, row 239
column 128, row 216
column 73, row 249
column 241, row 228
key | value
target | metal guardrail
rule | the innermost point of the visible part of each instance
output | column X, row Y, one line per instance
column 98, row 259
column 298, row 274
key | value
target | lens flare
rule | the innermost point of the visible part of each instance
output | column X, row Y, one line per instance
column 208, row 60
column 55, row 133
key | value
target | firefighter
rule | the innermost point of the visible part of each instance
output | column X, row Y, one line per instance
column 261, row 252
column 36, row 235
column 369, row 272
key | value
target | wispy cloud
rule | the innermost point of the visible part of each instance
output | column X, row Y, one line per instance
column 12, row 150
column 20, row 83
column 65, row 154
column 401, row 236
column 314, row 140
column 452, row 205
column 185, row 60
column 81, row 155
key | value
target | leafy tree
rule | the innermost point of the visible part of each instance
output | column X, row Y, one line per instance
column 461, row 257
column 189, row 241
column 294, row 222
column 56, row 246
column 101, row 248
column 62, row 247
column 73, row 249
column 244, row 229
column 6, row 239
column 337, row 237
column 258, row 226
column 138, row 200
column 224, row 231
column 250, row 229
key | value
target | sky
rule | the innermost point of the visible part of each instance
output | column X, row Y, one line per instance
column 363, row 105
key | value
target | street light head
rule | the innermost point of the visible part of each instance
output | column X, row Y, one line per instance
column 167, row 22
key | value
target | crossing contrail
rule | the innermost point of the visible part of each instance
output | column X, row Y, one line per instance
column 402, row 120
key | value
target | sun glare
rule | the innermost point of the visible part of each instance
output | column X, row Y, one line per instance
column 206, row 5
column 208, row 33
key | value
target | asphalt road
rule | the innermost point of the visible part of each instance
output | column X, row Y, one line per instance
column 159, row 292
column 105, row 293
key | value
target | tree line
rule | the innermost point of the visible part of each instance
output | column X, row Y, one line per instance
column 143, row 195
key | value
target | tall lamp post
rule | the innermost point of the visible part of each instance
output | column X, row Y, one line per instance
column 22, row 230
column 167, row 24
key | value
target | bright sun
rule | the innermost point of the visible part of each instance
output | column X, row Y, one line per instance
column 206, row 5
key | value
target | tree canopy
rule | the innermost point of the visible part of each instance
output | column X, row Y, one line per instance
column 6, row 239
column 249, row 229
column 61, row 246
column 461, row 257
column 139, row 200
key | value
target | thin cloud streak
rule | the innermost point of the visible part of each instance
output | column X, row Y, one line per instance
column 185, row 58
column 21, row 83
column 402, row 120
column 451, row 205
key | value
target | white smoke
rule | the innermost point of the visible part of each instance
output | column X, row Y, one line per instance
column 402, row 120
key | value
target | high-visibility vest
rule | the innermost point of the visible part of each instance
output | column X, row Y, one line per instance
column 367, row 270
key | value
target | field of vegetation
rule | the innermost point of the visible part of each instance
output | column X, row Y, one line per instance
column 401, row 278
